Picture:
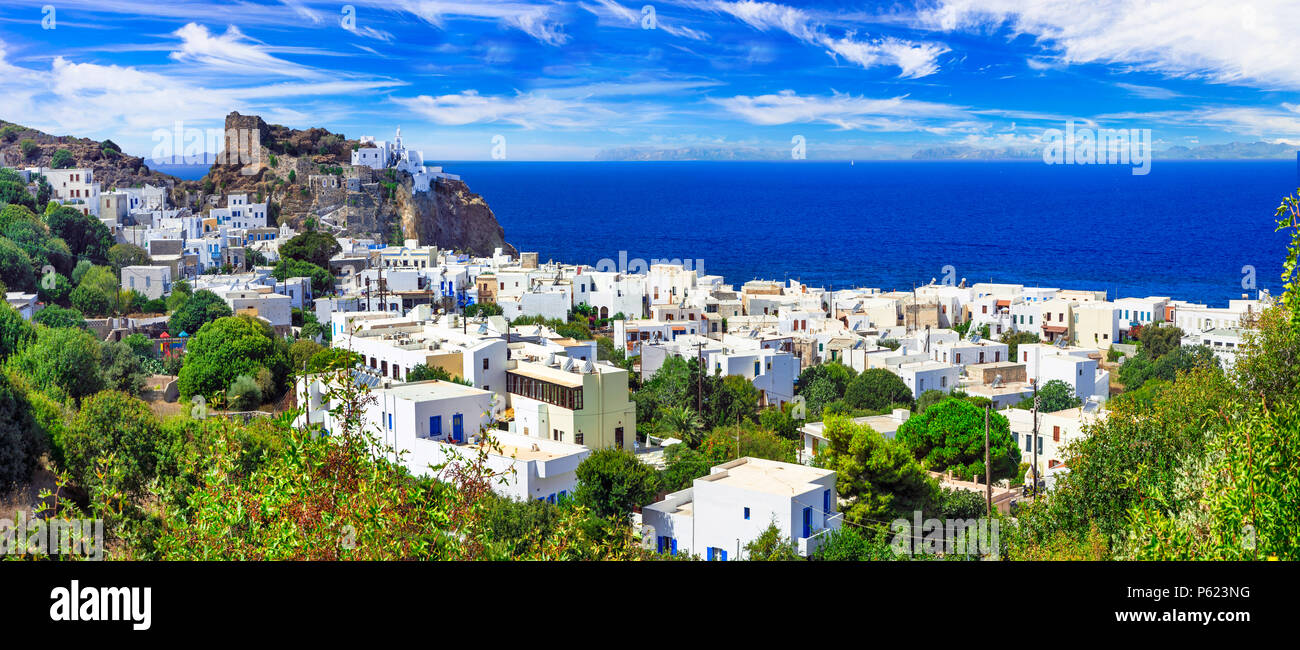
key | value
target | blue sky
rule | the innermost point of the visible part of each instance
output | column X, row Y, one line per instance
column 563, row 80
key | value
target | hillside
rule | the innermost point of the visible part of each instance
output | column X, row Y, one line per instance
column 112, row 168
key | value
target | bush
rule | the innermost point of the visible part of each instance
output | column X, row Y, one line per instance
column 876, row 389
column 244, row 394
column 63, row 360
column 21, row 438
column 113, row 444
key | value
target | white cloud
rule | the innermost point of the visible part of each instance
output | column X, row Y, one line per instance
column 128, row 104
column 1248, row 43
column 611, row 12
column 528, row 110
column 913, row 59
column 233, row 52
column 847, row 112
column 536, row 20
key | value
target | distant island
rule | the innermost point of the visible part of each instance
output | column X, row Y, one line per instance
column 1226, row 151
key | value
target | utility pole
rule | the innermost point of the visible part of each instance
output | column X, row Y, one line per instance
column 699, row 382
column 988, row 472
column 1034, row 442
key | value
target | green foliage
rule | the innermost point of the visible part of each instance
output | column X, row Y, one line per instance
column 196, row 311
column 1014, row 339
column 62, row 159
column 950, row 436
column 59, row 293
column 876, row 389
column 123, row 369
column 86, row 236
column 15, row 332
column 421, row 372
column 771, row 546
column 321, row 280
column 112, row 445
column 313, row 247
column 63, row 361
column 1140, row 369
column 244, row 395
column 929, row 398
column 482, row 309
column 852, row 544
column 780, row 421
column 15, row 267
column 21, row 438
column 879, row 478
column 1053, row 396
column 822, row 384
column 29, row 148
column 611, row 482
column 1158, row 341
column 120, row 255
column 225, row 349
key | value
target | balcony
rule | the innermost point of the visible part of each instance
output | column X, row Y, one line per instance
column 809, row 545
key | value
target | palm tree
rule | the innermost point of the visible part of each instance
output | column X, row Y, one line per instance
column 683, row 421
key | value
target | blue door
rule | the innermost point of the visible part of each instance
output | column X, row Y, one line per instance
column 674, row 546
column 807, row 522
column 457, row 428
column 435, row 426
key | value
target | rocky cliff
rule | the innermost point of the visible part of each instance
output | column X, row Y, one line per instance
column 307, row 174
column 449, row 216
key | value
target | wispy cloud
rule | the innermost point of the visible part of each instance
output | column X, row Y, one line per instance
column 527, row 110
column 913, row 59
column 1249, row 43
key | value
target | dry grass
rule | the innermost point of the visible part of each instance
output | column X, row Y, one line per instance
column 25, row 496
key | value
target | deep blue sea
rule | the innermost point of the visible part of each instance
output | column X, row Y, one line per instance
column 1185, row 230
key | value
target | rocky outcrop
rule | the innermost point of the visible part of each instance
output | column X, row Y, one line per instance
column 363, row 201
column 112, row 168
column 449, row 216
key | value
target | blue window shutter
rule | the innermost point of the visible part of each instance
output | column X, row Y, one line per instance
column 724, row 554
column 659, row 544
column 746, row 513
column 674, row 541
column 826, row 502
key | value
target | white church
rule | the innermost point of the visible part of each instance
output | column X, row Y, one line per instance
column 381, row 154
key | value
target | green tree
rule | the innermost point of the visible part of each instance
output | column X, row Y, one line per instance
column 225, row 349
column 682, row 465
column 15, row 332
column 56, row 316
column 313, row 247
column 15, row 267
column 112, row 445
column 198, row 310
column 123, row 368
column 683, row 423
column 930, row 398
column 120, row 255
column 1014, row 339
column 771, row 546
column 1160, row 340
column 63, row 360
column 62, row 159
column 853, row 544
column 321, row 280
column 21, row 439
column 950, row 436
column 876, row 389
column 86, row 236
column 879, row 478
column 611, row 482
column 1055, row 395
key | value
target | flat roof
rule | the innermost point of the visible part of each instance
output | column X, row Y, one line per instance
column 772, row 477
column 433, row 389
column 549, row 374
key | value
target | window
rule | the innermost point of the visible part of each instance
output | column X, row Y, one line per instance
column 758, row 368
column 1056, row 434
column 826, row 502
column 577, row 438
column 485, row 363
column 435, row 426
column 746, row 513
column 943, row 382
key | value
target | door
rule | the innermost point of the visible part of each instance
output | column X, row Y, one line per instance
column 457, row 428
column 618, row 437
column 807, row 522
